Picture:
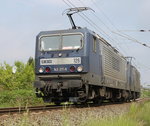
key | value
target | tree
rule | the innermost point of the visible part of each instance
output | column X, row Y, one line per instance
column 22, row 79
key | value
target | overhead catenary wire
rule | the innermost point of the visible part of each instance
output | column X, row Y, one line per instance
column 122, row 34
column 142, row 65
column 95, row 25
column 106, row 16
column 101, row 10
column 82, row 16
column 131, row 38
column 141, row 30
column 78, row 14
column 97, row 17
column 91, row 22
column 88, row 20
column 110, row 30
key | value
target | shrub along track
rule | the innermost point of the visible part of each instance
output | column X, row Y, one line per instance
column 13, row 110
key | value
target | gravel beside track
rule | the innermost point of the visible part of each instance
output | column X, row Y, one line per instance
column 61, row 117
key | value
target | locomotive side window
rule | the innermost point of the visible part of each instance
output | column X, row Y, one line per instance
column 94, row 44
column 61, row 42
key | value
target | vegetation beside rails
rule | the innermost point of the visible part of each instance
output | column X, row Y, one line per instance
column 137, row 116
column 18, row 98
column 20, row 78
column 145, row 92
column 16, row 89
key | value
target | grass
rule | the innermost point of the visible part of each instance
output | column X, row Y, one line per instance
column 118, row 121
column 144, row 114
column 18, row 98
column 145, row 93
column 139, row 115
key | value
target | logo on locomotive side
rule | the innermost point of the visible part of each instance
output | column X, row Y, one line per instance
column 46, row 61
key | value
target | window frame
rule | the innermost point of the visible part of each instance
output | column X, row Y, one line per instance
column 61, row 35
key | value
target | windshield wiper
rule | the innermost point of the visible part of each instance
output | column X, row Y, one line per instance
column 77, row 49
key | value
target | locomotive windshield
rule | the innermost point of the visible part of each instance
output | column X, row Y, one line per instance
column 61, row 42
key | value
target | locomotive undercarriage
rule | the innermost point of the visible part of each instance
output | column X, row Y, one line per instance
column 77, row 91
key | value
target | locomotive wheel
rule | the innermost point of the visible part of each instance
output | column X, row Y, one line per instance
column 97, row 101
column 113, row 100
column 83, row 99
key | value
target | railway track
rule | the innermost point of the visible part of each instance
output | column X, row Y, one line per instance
column 43, row 108
column 54, row 107
column 22, row 109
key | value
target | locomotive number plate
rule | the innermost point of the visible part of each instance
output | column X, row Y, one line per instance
column 60, row 61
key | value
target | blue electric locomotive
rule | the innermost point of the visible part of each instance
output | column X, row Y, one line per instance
column 78, row 65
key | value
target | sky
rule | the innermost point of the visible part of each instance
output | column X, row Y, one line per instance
column 22, row 20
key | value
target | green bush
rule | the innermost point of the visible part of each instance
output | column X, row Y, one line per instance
column 22, row 79
column 145, row 92
column 20, row 97
column 16, row 89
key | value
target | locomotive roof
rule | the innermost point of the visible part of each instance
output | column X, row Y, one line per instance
column 83, row 30
column 64, row 31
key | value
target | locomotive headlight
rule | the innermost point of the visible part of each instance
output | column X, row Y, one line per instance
column 41, row 70
column 80, row 69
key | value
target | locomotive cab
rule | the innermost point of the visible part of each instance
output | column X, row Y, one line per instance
column 62, row 61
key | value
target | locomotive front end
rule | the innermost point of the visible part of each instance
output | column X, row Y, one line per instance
column 60, row 64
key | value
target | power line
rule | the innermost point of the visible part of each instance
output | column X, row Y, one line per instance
column 142, row 65
column 132, row 39
column 97, row 17
column 88, row 20
column 142, row 30
column 100, row 9
column 121, row 34
column 106, row 17
column 105, row 25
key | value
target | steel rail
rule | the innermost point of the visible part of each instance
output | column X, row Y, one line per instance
column 54, row 107
column 23, row 109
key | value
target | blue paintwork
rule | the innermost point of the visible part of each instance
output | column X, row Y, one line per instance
column 92, row 74
column 84, row 53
